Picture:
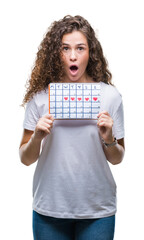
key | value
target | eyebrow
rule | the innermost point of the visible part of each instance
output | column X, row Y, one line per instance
column 76, row 44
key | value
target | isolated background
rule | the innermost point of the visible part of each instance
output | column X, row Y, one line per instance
column 119, row 26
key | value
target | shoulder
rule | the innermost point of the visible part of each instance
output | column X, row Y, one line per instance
column 39, row 103
column 110, row 90
column 111, row 98
column 39, row 98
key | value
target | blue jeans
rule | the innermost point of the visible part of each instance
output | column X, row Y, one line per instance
column 49, row 228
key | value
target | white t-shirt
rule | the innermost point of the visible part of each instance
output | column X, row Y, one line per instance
column 72, row 177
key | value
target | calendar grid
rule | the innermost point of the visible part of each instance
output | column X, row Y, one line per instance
column 55, row 95
column 74, row 100
column 62, row 103
column 91, row 104
column 76, row 103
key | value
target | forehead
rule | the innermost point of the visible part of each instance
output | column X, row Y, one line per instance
column 76, row 37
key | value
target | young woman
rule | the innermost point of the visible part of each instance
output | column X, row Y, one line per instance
column 73, row 188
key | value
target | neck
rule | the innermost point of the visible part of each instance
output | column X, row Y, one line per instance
column 84, row 79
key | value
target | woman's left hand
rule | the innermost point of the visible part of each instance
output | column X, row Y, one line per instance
column 105, row 124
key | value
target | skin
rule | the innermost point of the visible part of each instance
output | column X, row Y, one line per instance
column 75, row 51
column 114, row 154
column 31, row 140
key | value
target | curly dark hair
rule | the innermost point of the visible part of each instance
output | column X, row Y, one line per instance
column 48, row 66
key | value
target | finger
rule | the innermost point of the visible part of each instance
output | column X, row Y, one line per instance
column 48, row 126
column 46, row 130
column 103, row 113
column 52, row 118
column 43, row 129
column 46, row 120
column 107, row 124
column 49, row 116
column 42, row 125
column 104, row 117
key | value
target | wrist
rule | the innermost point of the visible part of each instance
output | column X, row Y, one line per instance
column 109, row 140
column 110, row 144
column 35, row 140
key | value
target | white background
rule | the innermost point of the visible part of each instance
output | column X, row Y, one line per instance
column 119, row 26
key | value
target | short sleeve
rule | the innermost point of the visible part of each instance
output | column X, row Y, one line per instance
column 31, row 115
column 118, row 118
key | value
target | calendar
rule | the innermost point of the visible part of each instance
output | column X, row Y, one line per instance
column 74, row 100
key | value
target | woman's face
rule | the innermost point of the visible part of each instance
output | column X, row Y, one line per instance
column 75, row 56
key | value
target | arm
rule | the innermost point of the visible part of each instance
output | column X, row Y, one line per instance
column 114, row 154
column 31, row 140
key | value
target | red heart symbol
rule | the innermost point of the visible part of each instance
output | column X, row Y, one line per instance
column 65, row 98
column 79, row 99
column 95, row 98
column 86, row 99
column 72, row 98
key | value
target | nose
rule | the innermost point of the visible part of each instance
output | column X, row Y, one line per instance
column 73, row 56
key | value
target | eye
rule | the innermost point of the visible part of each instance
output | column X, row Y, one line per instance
column 65, row 49
column 80, row 48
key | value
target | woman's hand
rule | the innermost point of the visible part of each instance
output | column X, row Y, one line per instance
column 105, row 124
column 31, row 141
column 113, row 154
column 43, row 127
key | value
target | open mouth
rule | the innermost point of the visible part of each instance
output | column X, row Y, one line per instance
column 73, row 68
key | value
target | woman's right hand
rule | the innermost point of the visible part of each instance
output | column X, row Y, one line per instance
column 43, row 127
column 31, row 141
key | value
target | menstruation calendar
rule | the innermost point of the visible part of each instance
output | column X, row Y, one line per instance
column 74, row 100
